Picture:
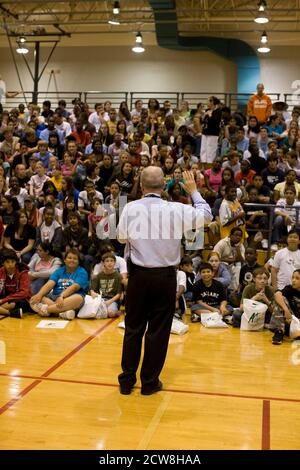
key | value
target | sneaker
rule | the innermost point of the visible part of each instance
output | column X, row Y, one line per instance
column 195, row 318
column 16, row 313
column 67, row 315
column 274, row 247
column 178, row 315
column 265, row 243
column 41, row 309
column 278, row 337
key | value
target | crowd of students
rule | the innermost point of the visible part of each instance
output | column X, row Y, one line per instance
column 62, row 172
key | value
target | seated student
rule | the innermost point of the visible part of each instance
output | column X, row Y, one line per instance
column 272, row 175
column 43, row 154
column 288, row 304
column 109, row 283
column 286, row 261
column 231, row 212
column 64, row 293
column 258, row 290
column 209, row 295
column 290, row 180
column 232, row 252
column 220, row 270
column 42, row 265
column 76, row 236
column 245, row 176
column 233, row 161
column 14, row 286
column 20, row 237
column 247, row 269
column 50, row 230
column 121, row 266
column 186, row 265
column 263, row 191
column 96, row 215
column 285, row 214
column 180, row 305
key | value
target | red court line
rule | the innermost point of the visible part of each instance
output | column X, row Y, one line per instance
column 78, row 348
column 24, row 392
column 34, row 384
column 190, row 392
column 265, row 440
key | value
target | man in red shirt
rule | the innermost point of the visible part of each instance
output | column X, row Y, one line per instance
column 82, row 137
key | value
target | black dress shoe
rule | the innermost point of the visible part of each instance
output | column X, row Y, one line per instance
column 126, row 389
column 151, row 390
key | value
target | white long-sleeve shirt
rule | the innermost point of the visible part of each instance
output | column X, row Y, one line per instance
column 153, row 228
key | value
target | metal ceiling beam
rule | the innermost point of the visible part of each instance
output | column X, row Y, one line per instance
column 7, row 12
column 180, row 21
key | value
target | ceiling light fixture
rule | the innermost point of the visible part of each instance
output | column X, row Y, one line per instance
column 116, row 8
column 262, row 5
column 114, row 21
column 22, row 49
column 138, row 48
column 264, row 38
column 263, row 49
column 139, row 38
column 261, row 17
column 22, row 39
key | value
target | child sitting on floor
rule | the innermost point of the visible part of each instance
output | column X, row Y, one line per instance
column 109, row 283
column 209, row 295
column 14, row 286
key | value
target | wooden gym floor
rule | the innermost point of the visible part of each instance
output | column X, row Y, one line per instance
column 223, row 389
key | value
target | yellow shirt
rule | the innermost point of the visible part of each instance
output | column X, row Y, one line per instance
column 280, row 187
column 228, row 210
column 57, row 182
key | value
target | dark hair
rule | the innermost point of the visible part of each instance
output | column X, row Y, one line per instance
column 49, row 184
column 109, row 255
column 13, row 201
column 46, row 246
column 293, row 231
column 73, row 251
column 16, row 224
column 255, row 129
column 9, row 254
column 74, row 214
column 205, row 266
column 236, row 229
column 290, row 187
column 296, row 271
column 185, row 260
column 259, row 271
column 229, row 186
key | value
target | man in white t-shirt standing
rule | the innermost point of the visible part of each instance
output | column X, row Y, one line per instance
column 286, row 261
column 5, row 94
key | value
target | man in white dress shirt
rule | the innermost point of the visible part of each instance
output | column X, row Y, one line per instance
column 152, row 230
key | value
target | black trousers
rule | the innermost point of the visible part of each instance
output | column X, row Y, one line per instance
column 150, row 303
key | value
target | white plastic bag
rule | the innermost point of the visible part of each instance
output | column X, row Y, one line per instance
column 213, row 320
column 294, row 327
column 253, row 318
column 178, row 327
column 93, row 307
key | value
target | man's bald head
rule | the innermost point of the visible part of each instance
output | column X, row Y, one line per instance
column 152, row 179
